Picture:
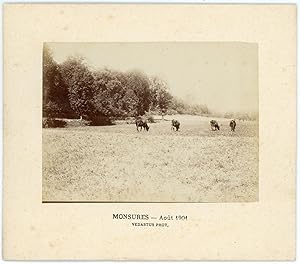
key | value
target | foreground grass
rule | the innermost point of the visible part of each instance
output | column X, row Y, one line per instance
column 117, row 163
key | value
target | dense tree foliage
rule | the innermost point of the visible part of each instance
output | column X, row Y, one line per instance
column 55, row 92
column 72, row 89
column 161, row 97
column 180, row 107
column 139, row 84
column 81, row 86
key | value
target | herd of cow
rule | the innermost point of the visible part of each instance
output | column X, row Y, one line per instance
column 175, row 124
column 214, row 125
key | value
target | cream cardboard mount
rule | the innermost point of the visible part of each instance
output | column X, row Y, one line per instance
column 262, row 229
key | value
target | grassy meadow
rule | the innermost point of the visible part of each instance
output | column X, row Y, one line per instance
column 117, row 163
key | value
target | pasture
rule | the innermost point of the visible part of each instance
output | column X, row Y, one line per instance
column 117, row 163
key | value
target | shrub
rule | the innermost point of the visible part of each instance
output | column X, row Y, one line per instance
column 150, row 119
column 149, row 116
column 53, row 123
column 130, row 120
column 172, row 112
column 101, row 121
column 51, row 110
column 78, row 123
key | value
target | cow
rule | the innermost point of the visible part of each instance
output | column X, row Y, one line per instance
column 175, row 124
column 214, row 125
column 142, row 124
column 232, row 124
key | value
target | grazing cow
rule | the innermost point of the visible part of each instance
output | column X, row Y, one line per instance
column 214, row 125
column 142, row 124
column 232, row 125
column 175, row 124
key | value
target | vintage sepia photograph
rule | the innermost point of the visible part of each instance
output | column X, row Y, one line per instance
column 150, row 122
column 150, row 127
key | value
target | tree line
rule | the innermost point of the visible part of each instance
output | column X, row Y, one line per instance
column 72, row 89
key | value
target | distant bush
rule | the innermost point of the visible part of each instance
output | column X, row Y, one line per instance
column 149, row 116
column 172, row 112
column 130, row 120
column 53, row 123
column 150, row 119
column 77, row 122
column 101, row 121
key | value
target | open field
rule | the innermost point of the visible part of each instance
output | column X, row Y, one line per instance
column 117, row 163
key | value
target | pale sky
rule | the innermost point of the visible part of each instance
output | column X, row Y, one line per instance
column 222, row 75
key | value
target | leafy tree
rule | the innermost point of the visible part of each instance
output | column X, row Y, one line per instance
column 49, row 72
column 161, row 97
column 139, row 84
column 182, row 107
column 55, row 92
column 109, row 91
column 178, row 105
column 198, row 109
column 51, row 109
column 130, row 103
column 80, row 83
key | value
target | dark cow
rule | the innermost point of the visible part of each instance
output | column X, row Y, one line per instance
column 175, row 124
column 214, row 125
column 142, row 124
column 232, row 125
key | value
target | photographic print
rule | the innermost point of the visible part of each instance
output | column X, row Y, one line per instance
column 144, row 126
column 150, row 122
